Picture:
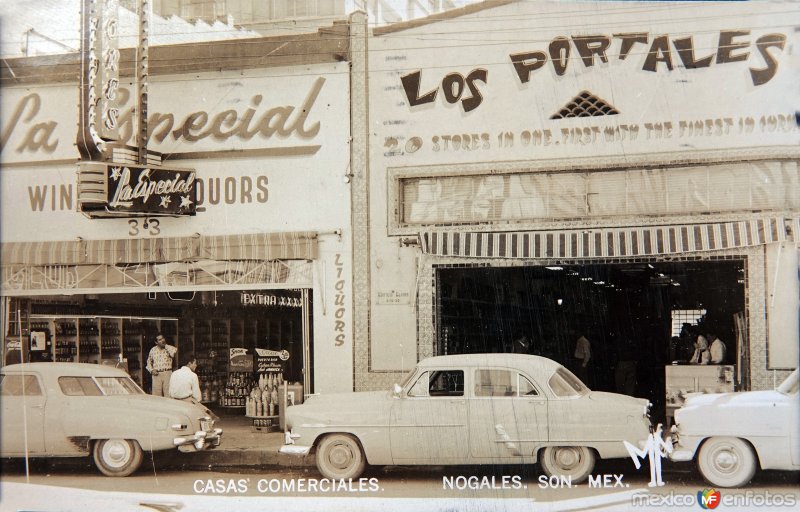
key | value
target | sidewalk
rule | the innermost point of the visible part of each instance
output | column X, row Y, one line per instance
column 243, row 446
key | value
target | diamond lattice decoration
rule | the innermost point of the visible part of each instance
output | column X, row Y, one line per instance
column 585, row 104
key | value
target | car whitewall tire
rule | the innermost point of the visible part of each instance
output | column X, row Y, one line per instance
column 117, row 457
column 727, row 461
column 339, row 456
column 575, row 462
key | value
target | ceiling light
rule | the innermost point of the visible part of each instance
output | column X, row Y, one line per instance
column 554, row 268
column 586, row 279
column 600, row 282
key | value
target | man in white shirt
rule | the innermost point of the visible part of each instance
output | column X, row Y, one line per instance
column 184, row 384
column 717, row 349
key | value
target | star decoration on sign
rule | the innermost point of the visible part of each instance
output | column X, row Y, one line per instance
column 115, row 173
column 165, row 201
column 185, row 202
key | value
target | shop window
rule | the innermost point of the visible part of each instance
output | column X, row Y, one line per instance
column 526, row 195
column 79, row 386
column 685, row 316
column 19, row 385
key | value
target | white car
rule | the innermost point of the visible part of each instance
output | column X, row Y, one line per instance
column 733, row 434
column 470, row 409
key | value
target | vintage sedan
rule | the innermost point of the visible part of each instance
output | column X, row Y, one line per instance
column 470, row 409
column 733, row 434
column 77, row 409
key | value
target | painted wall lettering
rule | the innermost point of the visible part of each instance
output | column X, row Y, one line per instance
column 31, row 134
column 232, row 190
column 732, row 46
column 339, row 301
column 37, row 136
column 454, row 86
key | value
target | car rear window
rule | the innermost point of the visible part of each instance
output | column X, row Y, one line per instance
column 118, row 386
column 18, row 385
column 79, row 386
column 564, row 384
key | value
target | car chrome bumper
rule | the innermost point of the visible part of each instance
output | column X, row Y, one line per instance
column 293, row 449
column 200, row 440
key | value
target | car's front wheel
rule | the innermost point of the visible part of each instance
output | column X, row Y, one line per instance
column 727, row 461
column 340, row 456
column 573, row 462
column 117, row 457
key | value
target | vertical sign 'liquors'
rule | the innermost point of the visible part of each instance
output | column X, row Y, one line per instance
column 99, row 108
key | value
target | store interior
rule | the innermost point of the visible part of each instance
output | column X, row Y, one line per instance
column 120, row 329
column 628, row 311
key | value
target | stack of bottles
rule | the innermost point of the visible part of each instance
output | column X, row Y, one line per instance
column 263, row 399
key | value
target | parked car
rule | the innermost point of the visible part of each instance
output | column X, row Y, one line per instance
column 77, row 409
column 733, row 434
column 470, row 409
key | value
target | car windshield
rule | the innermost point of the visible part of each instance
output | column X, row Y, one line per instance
column 406, row 378
column 791, row 384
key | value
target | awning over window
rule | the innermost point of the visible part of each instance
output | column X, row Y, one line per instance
column 605, row 242
column 258, row 246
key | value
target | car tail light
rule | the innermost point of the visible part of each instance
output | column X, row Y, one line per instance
column 206, row 424
column 179, row 426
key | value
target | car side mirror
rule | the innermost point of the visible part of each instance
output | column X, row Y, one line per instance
column 396, row 390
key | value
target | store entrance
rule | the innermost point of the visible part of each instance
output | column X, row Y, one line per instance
column 633, row 315
column 224, row 329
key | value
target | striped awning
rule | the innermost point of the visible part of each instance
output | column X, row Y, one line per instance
column 258, row 246
column 605, row 242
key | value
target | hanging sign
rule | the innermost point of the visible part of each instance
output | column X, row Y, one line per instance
column 271, row 361
column 99, row 111
column 115, row 190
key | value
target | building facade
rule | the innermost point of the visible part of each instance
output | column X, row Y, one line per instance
column 265, row 261
column 551, row 169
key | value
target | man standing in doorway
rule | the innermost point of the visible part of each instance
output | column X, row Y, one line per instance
column 159, row 364
column 184, row 384
column 583, row 352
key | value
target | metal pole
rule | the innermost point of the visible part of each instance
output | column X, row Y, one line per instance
column 142, row 72
column 24, row 404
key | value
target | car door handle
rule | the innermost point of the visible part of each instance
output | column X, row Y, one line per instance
column 536, row 402
column 37, row 406
column 456, row 401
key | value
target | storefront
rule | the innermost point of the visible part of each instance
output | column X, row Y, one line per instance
column 260, row 271
column 558, row 181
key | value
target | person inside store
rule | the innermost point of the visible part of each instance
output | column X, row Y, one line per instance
column 184, row 384
column 701, row 353
column 159, row 364
column 625, row 371
column 583, row 353
column 717, row 350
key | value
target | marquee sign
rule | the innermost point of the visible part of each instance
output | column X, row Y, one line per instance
column 118, row 190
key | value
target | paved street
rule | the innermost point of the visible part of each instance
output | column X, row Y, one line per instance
column 483, row 487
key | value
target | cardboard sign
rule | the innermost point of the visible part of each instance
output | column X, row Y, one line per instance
column 240, row 360
column 271, row 361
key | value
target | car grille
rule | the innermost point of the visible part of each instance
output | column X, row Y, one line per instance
column 206, row 424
